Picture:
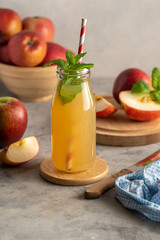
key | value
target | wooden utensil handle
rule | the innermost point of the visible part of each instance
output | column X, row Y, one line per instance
column 98, row 189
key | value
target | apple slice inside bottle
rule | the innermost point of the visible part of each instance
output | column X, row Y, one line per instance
column 20, row 152
column 103, row 107
column 139, row 106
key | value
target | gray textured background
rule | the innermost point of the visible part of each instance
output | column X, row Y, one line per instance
column 120, row 34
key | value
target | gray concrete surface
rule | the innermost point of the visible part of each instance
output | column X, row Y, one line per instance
column 119, row 34
column 33, row 209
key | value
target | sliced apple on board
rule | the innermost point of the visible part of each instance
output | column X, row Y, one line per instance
column 103, row 107
column 20, row 152
column 139, row 106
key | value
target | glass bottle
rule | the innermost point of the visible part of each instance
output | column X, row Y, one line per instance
column 73, row 121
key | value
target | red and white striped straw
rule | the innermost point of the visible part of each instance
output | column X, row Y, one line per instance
column 82, row 37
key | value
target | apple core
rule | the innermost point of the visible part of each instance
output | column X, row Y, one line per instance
column 145, row 99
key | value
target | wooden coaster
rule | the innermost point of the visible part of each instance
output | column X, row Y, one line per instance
column 97, row 172
column 119, row 130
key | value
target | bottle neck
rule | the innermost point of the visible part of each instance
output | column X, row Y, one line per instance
column 83, row 74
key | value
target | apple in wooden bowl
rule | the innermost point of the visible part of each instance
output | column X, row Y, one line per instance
column 44, row 26
column 29, row 81
column 10, row 24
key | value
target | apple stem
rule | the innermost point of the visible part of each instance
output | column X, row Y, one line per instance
column 30, row 43
column 36, row 17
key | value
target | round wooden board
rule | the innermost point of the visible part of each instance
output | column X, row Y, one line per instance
column 119, row 130
column 97, row 172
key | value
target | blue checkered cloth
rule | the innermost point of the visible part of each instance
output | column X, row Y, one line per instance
column 140, row 191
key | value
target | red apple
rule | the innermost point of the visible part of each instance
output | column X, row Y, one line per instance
column 10, row 24
column 54, row 51
column 42, row 25
column 4, row 54
column 13, row 120
column 127, row 78
column 103, row 107
column 20, row 152
column 139, row 106
column 27, row 49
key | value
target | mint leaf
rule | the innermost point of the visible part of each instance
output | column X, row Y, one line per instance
column 156, row 78
column 69, row 92
column 47, row 64
column 70, row 58
column 140, row 86
column 67, row 81
column 59, row 62
column 156, row 96
column 83, row 65
column 67, row 99
column 79, row 56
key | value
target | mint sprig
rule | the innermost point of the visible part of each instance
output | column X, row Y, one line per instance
column 71, row 83
column 71, row 63
column 143, row 87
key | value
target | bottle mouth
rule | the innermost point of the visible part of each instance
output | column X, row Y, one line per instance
column 80, row 72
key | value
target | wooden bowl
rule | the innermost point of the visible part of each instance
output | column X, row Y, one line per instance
column 31, row 84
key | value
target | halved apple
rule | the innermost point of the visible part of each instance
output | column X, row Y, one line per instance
column 103, row 107
column 20, row 152
column 139, row 106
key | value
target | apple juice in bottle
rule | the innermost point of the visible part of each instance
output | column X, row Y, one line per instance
column 73, row 121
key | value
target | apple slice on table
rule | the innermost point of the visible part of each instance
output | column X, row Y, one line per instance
column 103, row 107
column 139, row 106
column 20, row 152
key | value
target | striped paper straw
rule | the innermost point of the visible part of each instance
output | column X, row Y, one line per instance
column 82, row 37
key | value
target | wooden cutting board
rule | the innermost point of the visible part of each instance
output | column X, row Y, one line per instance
column 119, row 130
